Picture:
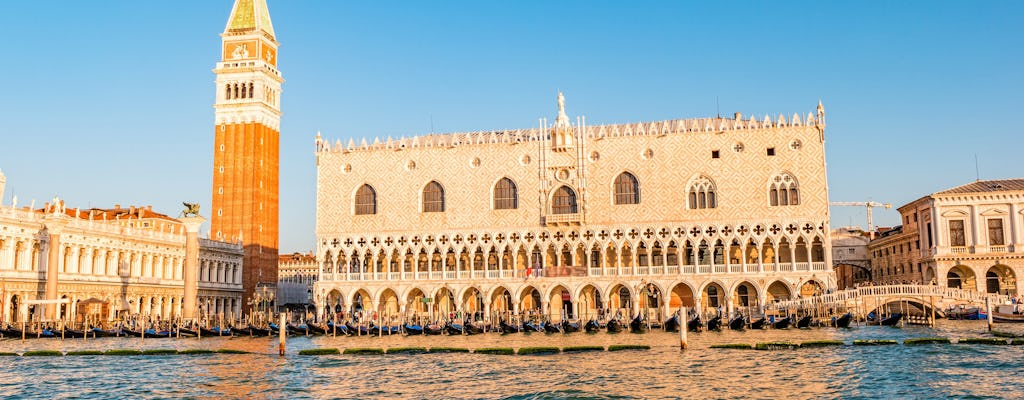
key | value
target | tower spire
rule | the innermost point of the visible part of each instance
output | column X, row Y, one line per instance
column 250, row 16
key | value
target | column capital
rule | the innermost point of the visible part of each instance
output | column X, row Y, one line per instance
column 192, row 224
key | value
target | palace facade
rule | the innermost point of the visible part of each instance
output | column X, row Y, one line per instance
column 295, row 278
column 570, row 220
column 101, row 264
column 969, row 237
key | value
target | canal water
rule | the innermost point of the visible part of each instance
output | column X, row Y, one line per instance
column 927, row 371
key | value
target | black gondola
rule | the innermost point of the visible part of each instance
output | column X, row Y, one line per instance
column 694, row 324
column 317, row 329
column 804, row 322
column 150, row 333
column 844, row 321
column 506, row 328
column 186, row 332
column 256, row 331
column 892, row 320
column 592, row 326
column 335, row 330
column 738, row 324
column 473, row 329
column 759, row 324
column 637, row 325
column 715, row 324
column 432, row 329
column 413, row 329
column 532, row 327
column 782, row 323
column 570, row 327
column 550, row 327
column 216, row 331
column 614, row 326
column 454, row 329
column 98, row 333
column 672, row 324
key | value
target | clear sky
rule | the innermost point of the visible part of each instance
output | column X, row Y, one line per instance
column 108, row 102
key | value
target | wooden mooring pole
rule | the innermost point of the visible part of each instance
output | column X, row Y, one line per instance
column 281, row 335
column 988, row 310
column 683, row 322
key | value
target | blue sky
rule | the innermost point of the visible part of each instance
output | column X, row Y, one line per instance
column 111, row 102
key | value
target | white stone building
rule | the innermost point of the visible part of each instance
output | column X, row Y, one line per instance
column 109, row 262
column 569, row 219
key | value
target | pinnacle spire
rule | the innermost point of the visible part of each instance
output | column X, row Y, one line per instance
column 250, row 16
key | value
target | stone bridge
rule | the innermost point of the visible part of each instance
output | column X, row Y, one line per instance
column 864, row 300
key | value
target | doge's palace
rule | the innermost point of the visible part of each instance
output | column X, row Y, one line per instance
column 571, row 221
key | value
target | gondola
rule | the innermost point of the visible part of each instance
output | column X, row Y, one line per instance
column 637, row 325
column 186, row 332
column 98, row 333
column 782, row 323
column 892, row 320
column 759, row 324
column 844, row 321
column 550, row 327
column 473, row 329
column 694, row 324
column 357, row 330
column 506, row 328
column 257, row 331
column 70, row 334
column 10, row 333
column 215, row 331
column 715, row 324
column 614, row 326
column 804, row 323
column 672, row 324
column 532, row 327
column 454, row 329
column 570, row 327
column 413, row 329
column 337, row 329
column 150, row 333
column 432, row 329
column 738, row 324
column 592, row 326
column 300, row 330
column 316, row 329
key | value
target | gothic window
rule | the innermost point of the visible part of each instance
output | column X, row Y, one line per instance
column 995, row 232
column 366, row 200
column 245, row 91
column 956, row 233
column 433, row 197
column 627, row 190
column 506, row 196
column 235, row 95
column 227, row 91
column 564, row 201
column 252, row 90
column 702, row 193
column 783, row 190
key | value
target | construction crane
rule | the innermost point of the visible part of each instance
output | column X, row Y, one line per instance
column 867, row 205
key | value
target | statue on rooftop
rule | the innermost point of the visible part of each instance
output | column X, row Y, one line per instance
column 191, row 210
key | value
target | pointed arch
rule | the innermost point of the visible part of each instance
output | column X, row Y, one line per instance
column 433, row 197
column 627, row 189
column 783, row 190
column 366, row 200
column 506, row 195
column 563, row 201
column 703, row 193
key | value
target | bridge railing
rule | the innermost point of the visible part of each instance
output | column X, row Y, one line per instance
column 843, row 296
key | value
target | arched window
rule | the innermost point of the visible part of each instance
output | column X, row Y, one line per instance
column 366, row 200
column 506, row 196
column 702, row 193
column 783, row 190
column 564, row 201
column 227, row 91
column 627, row 190
column 433, row 197
column 252, row 90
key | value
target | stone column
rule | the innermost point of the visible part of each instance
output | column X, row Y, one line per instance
column 54, row 224
column 191, row 272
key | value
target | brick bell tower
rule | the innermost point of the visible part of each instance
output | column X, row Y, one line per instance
column 246, row 144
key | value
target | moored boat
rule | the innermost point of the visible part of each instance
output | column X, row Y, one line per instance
column 694, row 324
column 892, row 320
column 844, row 321
column 715, row 324
column 570, row 327
column 592, row 326
column 738, row 323
column 760, row 323
column 614, row 326
column 551, row 327
column 637, row 325
column 672, row 324
column 804, row 322
column 782, row 323
column 507, row 328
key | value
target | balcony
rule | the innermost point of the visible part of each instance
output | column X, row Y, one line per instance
column 563, row 219
column 997, row 249
column 958, row 249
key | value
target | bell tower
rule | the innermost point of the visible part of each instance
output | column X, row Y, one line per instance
column 246, row 143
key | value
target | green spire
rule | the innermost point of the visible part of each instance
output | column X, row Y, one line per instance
column 248, row 16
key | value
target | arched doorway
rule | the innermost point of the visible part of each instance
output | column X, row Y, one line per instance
column 333, row 304
column 713, row 296
column 444, row 303
column 501, row 303
column 1000, row 279
column 591, row 304
column 530, row 302
column 560, row 302
column 361, row 302
column 778, row 291
column 473, row 303
column 681, row 296
column 15, row 308
column 745, row 297
column 416, row 302
column 621, row 301
column 387, row 305
column 961, row 277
